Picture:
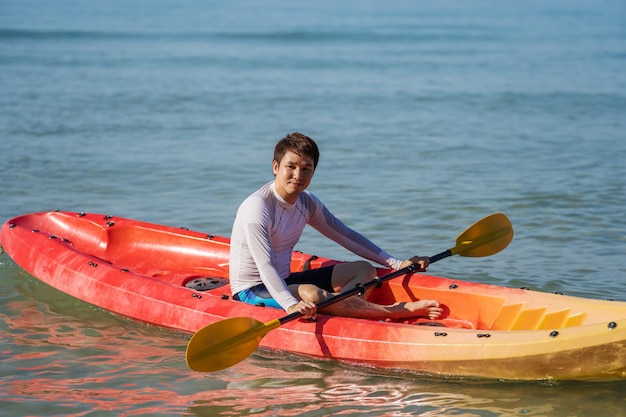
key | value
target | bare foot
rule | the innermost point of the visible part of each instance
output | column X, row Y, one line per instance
column 422, row 308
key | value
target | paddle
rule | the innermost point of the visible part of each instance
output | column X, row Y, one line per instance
column 225, row 343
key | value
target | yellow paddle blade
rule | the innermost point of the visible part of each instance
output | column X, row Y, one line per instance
column 226, row 343
column 485, row 237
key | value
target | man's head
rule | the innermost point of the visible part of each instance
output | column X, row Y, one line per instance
column 295, row 159
column 299, row 144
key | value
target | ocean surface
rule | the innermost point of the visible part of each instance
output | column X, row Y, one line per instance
column 429, row 116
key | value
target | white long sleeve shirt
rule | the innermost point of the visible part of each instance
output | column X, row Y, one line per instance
column 266, row 230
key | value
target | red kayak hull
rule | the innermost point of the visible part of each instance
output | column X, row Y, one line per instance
column 140, row 270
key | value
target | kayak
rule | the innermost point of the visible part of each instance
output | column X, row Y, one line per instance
column 178, row 279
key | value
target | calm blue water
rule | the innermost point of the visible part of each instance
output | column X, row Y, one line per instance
column 429, row 115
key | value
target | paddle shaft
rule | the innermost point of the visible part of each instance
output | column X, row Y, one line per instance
column 360, row 289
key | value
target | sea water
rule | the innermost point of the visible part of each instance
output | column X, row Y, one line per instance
column 429, row 116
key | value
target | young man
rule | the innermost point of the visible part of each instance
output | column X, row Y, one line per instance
column 267, row 227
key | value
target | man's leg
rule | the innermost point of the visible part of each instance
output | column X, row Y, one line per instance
column 349, row 275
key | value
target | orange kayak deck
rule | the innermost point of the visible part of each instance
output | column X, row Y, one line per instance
column 178, row 279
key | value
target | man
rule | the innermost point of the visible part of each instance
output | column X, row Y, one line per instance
column 267, row 227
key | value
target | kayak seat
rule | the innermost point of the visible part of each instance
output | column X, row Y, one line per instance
column 303, row 262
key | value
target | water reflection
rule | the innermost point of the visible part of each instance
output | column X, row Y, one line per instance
column 321, row 388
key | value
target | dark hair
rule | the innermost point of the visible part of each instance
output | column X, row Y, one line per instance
column 299, row 144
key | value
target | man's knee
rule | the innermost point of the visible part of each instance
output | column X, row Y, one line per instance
column 352, row 273
column 365, row 270
column 312, row 293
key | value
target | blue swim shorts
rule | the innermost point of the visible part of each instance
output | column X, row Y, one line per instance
column 259, row 295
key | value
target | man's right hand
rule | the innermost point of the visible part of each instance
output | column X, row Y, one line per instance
column 306, row 308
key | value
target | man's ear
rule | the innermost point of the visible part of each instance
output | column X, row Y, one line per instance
column 275, row 167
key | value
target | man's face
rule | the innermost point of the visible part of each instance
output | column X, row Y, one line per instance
column 293, row 175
